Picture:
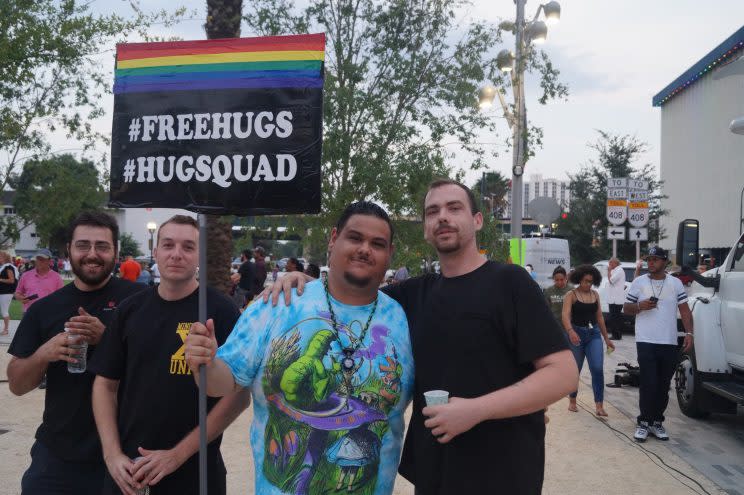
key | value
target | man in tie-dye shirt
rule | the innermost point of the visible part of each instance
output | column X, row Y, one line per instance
column 330, row 375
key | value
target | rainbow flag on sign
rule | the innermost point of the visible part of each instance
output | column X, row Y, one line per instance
column 231, row 63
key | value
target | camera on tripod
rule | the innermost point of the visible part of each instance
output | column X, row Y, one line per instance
column 626, row 374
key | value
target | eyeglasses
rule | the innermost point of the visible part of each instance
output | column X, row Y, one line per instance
column 100, row 247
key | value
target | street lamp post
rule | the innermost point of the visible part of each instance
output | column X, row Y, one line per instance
column 534, row 31
column 151, row 226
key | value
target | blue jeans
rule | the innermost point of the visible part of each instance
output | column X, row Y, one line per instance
column 50, row 475
column 591, row 347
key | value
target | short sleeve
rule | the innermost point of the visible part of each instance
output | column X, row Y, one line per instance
column 634, row 292
column 109, row 356
column 27, row 338
column 244, row 350
column 680, row 291
column 21, row 284
column 536, row 331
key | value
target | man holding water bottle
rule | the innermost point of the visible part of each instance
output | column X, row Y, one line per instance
column 56, row 336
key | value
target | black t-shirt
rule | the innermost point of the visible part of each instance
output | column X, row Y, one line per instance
column 158, row 399
column 472, row 335
column 247, row 273
column 68, row 428
column 5, row 274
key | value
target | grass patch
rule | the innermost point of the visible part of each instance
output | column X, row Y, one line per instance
column 16, row 308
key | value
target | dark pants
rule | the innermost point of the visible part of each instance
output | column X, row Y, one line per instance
column 50, row 475
column 616, row 321
column 657, row 363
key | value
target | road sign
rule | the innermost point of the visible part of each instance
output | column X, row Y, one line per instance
column 637, row 184
column 638, row 213
column 617, row 193
column 617, row 211
column 614, row 232
column 634, row 195
column 617, row 182
column 637, row 234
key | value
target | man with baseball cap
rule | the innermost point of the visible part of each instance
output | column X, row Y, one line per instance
column 39, row 281
column 654, row 299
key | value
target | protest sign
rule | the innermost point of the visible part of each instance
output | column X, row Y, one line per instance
column 228, row 126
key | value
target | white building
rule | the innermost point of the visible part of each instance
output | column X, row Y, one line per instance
column 538, row 187
column 702, row 162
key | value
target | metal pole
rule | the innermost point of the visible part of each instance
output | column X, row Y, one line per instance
column 741, row 211
column 638, row 250
column 518, row 141
column 202, row 371
column 614, row 248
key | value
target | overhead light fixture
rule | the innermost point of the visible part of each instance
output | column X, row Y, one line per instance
column 505, row 61
column 537, row 32
column 552, row 12
column 486, row 95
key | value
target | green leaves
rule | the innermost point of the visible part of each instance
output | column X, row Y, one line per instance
column 616, row 155
column 49, row 193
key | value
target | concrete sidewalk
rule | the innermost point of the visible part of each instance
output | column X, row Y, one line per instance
column 585, row 455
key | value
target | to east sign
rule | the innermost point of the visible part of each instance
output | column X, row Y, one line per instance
column 616, row 211
column 638, row 213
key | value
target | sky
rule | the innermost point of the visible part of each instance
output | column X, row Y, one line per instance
column 613, row 55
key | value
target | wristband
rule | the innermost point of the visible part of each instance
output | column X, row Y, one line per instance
column 639, row 306
column 688, row 333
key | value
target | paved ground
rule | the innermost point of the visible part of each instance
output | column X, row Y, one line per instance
column 714, row 446
column 585, row 455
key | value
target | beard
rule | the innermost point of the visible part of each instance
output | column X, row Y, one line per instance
column 360, row 282
column 78, row 268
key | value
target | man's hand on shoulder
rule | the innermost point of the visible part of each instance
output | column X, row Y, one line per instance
column 285, row 285
column 87, row 326
column 449, row 420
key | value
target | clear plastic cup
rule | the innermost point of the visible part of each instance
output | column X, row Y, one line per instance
column 79, row 351
column 436, row 397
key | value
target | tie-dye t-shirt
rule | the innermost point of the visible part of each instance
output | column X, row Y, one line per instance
column 324, row 421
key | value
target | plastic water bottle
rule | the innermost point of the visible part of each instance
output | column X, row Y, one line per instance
column 80, row 353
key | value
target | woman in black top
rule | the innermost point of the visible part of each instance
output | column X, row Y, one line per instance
column 8, row 283
column 585, row 325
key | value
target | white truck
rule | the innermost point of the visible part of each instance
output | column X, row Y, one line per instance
column 544, row 254
column 710, row 377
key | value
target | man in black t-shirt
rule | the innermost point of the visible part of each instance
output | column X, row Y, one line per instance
column 244, row 280
column 482, row 331
column 66, row 457
column 144, row 397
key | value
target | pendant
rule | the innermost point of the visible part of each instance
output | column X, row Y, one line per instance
column 347, row 363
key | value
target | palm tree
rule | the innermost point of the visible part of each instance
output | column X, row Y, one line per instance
column 223, row 21
column 492, row 189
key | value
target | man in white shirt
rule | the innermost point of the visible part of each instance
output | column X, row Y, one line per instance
column 615, row 297
column 654, row 298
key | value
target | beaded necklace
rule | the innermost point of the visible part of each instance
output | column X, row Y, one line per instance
column 347, row 363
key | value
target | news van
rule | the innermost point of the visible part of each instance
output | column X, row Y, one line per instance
column 544, row 254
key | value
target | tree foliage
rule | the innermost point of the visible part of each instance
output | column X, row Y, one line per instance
column 586, row 222
column 51, row 192
column 52, row 76
column 401, row 80
column 128, row 246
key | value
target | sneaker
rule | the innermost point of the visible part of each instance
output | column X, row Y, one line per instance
column 641, row 433
column 657, row 430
